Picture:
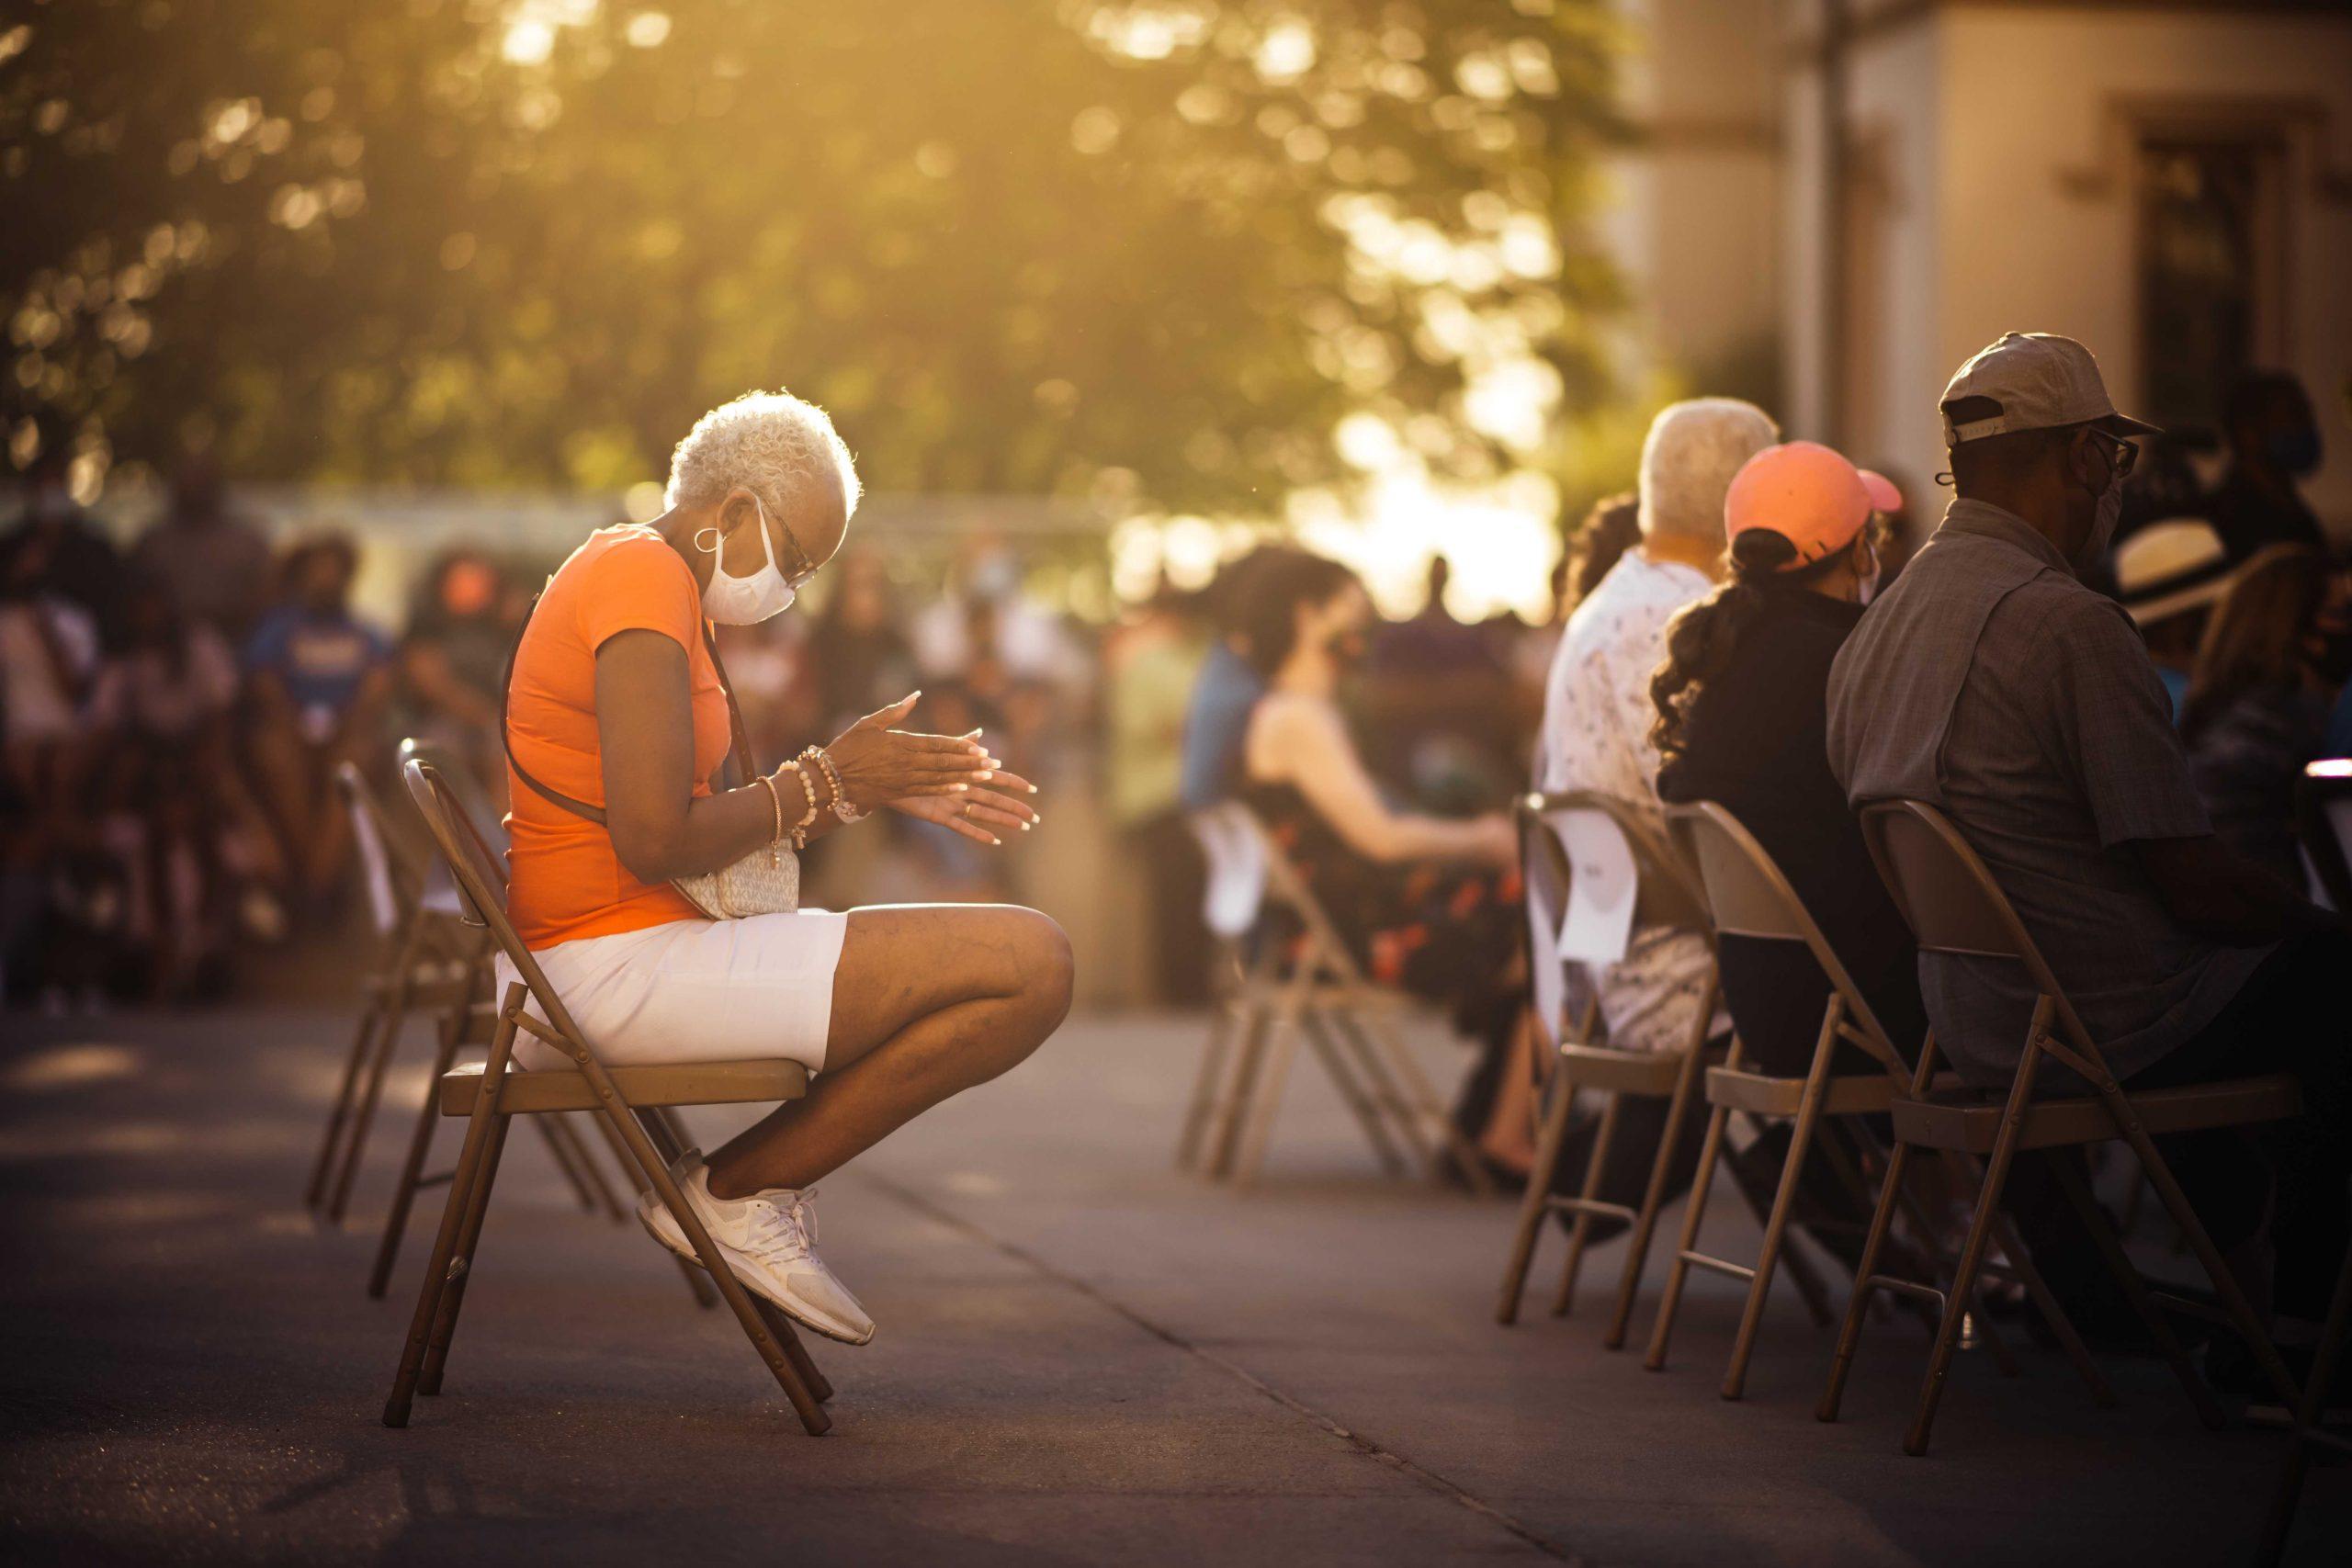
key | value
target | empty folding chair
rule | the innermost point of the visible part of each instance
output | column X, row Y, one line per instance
column 1233, row 892
column 1595, row 874
column 430, row 960
column 1748, row 896
column 1312, row 987
column 633, row 1101
column 1952, row 905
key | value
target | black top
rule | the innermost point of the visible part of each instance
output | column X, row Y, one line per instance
column 1757, row 744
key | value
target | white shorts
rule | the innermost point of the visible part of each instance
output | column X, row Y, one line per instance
column 695, row 991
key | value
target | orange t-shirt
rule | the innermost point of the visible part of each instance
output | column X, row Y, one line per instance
column 564, row 882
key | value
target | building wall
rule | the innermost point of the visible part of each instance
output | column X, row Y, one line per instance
column 1696, row 224
column 2039, row 206
column 1993, row 188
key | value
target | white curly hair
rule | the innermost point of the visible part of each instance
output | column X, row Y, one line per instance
column 780, row 448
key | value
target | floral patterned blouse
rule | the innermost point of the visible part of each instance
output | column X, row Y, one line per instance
column 1597, row 718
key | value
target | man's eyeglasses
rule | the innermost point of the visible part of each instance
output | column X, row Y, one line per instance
column 2121, row 456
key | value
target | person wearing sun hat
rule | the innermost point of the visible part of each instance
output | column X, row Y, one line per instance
column 1742, row 720
column 1990, row 682
column 2169, row 577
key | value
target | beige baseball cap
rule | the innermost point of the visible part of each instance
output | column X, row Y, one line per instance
column 2042, row 381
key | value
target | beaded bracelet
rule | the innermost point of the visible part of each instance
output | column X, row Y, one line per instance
column 843, row 809
column 799, row 831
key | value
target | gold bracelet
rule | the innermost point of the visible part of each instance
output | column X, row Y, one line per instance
column 775, row 799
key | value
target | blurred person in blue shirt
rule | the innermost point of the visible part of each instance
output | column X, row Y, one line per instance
column 317, row 680
column 1224, row 690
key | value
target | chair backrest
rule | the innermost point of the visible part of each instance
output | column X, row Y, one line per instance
column 439, row 894
column 1751, row 897
column 392, row 883
column 1606, row 845
column 1945, row 895
column 2324, row 812
column 1284, row 884
column 1237, row 854
column 482, row 884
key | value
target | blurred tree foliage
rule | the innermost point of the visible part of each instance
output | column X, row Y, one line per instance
column 1142, row 249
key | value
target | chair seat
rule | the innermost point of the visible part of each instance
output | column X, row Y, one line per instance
column 1621, row 1072
column 687, row 1083
column 1970, row 1122
column 1762, row 1094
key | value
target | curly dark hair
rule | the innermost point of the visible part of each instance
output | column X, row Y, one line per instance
column 1701, row 639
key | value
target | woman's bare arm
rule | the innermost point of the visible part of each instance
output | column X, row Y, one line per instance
column 1306, row 744
column 645, row 730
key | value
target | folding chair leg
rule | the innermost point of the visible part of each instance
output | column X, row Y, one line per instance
column 438, row 1263
column 1850, row 1333
column 420, row 1145
column 339, row 1115
column 2054, row 1314
column 1259, row 1132
column 453, row 1299
column 1581, row 1231
column 549, row 1133
column 2076, row 1187
column 788, row 1338
column 1923, row 1225
column 1240, row 1085
column 2280, row 1521
column 1420, row 1105
column 1776, row 1229
column 1224, row 1017
column 1381, row 1086
column 1637, row 1247
column 1320, row 1039
column 372, row 1089
column 2217, row 1268
column 697, row 1283
column 655, row 1171
column 1972, row 1255
column 1536, row 1204
column 1694, row 1213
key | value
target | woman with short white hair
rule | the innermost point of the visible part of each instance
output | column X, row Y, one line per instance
column 618, row 722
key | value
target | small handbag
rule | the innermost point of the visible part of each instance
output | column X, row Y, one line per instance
column 765, row 882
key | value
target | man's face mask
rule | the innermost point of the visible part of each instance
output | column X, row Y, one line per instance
column 2108, row 500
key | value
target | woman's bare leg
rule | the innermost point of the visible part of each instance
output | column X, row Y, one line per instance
column 929, row 1000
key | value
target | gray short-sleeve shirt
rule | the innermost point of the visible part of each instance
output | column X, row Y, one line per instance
column 1992, row 684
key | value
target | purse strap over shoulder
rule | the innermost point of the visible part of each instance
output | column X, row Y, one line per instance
column 739, row 738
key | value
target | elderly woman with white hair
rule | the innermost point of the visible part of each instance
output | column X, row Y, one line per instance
column 1596, row 735
column 617, row 723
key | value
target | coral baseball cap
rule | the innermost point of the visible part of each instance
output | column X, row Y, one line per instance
column 1808, row 494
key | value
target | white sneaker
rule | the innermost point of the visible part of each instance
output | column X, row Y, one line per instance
column 768, row 1241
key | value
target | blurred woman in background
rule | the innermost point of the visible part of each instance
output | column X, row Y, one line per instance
column 2257, row 704
column 1427, row 903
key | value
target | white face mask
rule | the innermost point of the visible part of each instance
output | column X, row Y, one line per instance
column 1866, row 589
column 734, row 601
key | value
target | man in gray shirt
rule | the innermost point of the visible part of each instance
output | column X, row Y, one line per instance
column 1989, row 682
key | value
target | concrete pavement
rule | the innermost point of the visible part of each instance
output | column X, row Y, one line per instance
column 1084, row 1358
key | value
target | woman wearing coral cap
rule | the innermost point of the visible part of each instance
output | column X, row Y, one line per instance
column 1741, row 722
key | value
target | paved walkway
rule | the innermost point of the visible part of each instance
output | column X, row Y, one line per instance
column 1085, row 1358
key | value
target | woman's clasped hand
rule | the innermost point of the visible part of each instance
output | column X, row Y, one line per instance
column 950, row 780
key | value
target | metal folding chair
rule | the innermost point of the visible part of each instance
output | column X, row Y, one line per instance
column 1311, row 988
column 1749, row 897
column 1233, row 896
column 634, row 1103
column 1557, row 831
column 469, row 1024
column 2308, row 1434
column 1952, row 905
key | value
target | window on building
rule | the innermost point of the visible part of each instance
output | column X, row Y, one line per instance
column 2213, row 248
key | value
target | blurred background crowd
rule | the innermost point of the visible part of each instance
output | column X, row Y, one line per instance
column 176, row 692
